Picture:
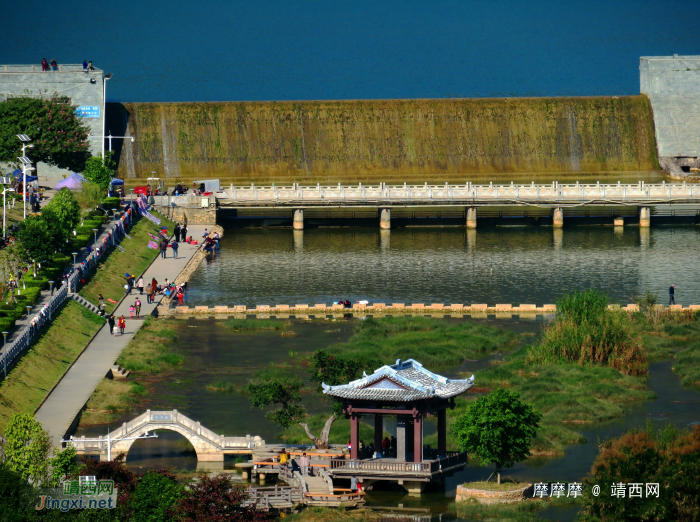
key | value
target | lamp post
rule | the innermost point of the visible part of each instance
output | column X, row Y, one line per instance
column 4, row 235
column 51, row 283
column 109, row 137
column 106, row 77
column 29, row 308
column 94, row 245
column 25, row 161
column 75, row 285
column 4, row 352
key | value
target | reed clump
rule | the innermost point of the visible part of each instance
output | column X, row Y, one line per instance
column 586, row 331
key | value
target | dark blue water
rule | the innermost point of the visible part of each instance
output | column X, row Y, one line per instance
column 217, row 50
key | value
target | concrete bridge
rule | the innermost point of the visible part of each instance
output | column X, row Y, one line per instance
column 468, row 197
column 209, row 446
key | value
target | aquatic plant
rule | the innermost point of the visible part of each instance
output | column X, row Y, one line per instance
column 586, row 331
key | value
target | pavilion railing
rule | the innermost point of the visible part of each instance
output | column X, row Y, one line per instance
column 380, row 466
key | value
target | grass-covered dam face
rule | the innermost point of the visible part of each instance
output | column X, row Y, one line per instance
column 385, row 140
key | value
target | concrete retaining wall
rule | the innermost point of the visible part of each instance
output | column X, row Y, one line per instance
column 673, row 86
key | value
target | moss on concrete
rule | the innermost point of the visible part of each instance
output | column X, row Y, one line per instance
column 389, row 140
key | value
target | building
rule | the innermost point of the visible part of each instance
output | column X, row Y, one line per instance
column 409, row 393
column 85, row 89
column 673, row 86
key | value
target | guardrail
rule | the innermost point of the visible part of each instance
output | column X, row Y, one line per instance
column 15, row 349
column 468, row 193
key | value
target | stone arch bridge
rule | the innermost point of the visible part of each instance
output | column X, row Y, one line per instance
column 209, row 446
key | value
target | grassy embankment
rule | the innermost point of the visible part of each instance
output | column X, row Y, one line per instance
column 46, row 361
column 73, row 327
column 151, row 351
column 109, row 278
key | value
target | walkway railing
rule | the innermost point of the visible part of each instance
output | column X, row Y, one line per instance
column 467, row 193
column 20, row 344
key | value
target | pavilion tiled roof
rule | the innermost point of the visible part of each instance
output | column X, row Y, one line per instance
column 401, row 382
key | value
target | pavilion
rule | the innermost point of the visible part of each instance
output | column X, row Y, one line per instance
column 407, row 391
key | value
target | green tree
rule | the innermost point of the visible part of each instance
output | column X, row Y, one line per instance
column 155, row 495
column 100, row 171
column 90, row 196
column 62, row 214
column 60, row 138
column 27, row 448
column 14, row 495
column 39, row 238
column 285, row 391
column 497, row 429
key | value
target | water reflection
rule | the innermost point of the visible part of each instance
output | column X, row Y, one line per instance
column 446, row 265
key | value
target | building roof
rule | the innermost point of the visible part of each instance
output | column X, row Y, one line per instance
column 401, row 382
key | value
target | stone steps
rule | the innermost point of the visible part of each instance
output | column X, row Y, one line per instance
column 87, row 304
column 118, row 372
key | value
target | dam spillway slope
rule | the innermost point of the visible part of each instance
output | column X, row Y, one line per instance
column 386, row 140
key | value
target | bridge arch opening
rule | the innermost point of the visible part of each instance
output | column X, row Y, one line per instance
column 171, row 449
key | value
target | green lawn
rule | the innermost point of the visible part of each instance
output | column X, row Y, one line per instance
column 109, row 279
column 46, row 361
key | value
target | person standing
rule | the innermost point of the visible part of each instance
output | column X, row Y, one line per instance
column 122, row 325
column 110, row 322
column 304, row 464
column 154, row 286
column 137, row 305
column 672, row 295
column 149, row 294
column 139, row 285
column 44, row 64
column 183, row 232
column 54, row 65
column 163, row 248
column 128, row 284
column 175, row 246
column 177, row 232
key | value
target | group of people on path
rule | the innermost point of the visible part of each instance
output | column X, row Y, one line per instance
column 116, row 326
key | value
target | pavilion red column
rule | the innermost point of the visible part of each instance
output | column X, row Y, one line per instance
column 378, row 431
column 354, row 434
column 418, row 438
column 442, row 432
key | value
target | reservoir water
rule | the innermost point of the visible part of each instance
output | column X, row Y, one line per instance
column 283, row 50
column 447, row 265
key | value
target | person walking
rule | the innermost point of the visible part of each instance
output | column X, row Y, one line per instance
column 177, row 232
column 122, row 325
column 154, row 287
column 137, row 305
column 85, row 66
column 128, row 284
column 304, row 464
column 672, row 295
column 175, row 246
column 110, row 322
column 149, row 294
column 139, row 285
column 163, row 248
column 44, row 64
column 132, row 310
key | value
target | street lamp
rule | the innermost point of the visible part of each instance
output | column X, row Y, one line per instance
column 26, row 166
column 106, row 77
column 109, row 137
column 4, row 235
column 51, row 283
column 75, row 285
column 4, row 352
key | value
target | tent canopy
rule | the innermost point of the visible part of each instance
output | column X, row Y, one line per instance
column 74, row 182
column 117, row 181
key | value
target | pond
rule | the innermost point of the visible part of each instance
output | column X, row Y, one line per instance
column 215, row 353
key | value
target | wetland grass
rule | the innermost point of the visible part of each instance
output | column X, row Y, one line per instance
column 432, row 342
column 249, row 325
column 152, row 350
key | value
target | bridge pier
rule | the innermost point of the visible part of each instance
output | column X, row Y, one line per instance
column 644, row 217
column 385, row 218
column 298, row 222
column 471, row 217
column 558, row 218
column 618, row 221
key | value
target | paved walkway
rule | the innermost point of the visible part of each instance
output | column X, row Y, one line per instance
column 61, row 408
